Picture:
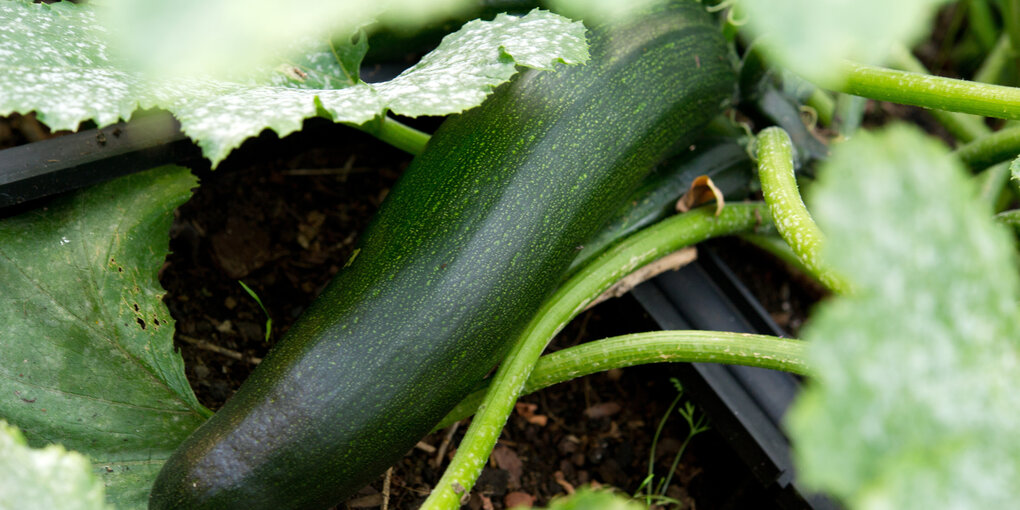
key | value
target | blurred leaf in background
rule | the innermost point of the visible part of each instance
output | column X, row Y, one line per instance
column 812, row 37
column 601, row 11
column 199, row 38
column 45, row 478
column 915, row 403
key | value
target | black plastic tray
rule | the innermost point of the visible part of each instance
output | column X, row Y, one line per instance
column 36, row 170
column 745, row 404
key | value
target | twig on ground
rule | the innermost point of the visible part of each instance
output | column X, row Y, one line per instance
column 438, row 461
column 230, row 353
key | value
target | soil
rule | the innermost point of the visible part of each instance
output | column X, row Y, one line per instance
column 282, row 216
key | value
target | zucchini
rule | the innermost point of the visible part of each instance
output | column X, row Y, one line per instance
column 462, row 252
column 722, row 159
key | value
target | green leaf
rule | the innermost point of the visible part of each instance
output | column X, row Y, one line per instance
column 915, row 404
column 469, row 63
column 813, row 36
column 66, row 80
column 586, row 499
column 1014, row 169
column 601, row 11
column 70, row 80
column 86, row 343
column 173, row 39
column 457, row 75
column 46, row 478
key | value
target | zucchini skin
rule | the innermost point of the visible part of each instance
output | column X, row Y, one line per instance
column 461, row 254
column 723, row 160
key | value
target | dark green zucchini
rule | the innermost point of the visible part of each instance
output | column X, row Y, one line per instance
column 723, row 159
column 462, row 252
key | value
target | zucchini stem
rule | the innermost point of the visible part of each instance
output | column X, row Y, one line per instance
column 963, row 127
column 1002, row 145
column 397, row 134
column 652, row 347
column 928, row 91
column 792, row 219
column 571, row 298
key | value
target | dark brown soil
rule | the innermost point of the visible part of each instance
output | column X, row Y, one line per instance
column 282, row 216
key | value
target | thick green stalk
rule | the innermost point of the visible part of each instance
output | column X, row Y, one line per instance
column 1002, row 145
column 963, row 127
column 929, row 91
column 653, row 347
column 397, row 134
column 794, row 223
column 570, row 299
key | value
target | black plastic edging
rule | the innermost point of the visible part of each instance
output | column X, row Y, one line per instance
column 745, row 404
column 36, row 170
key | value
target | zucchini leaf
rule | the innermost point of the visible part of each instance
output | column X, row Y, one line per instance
column 68, row 80
column 46, row 478
column 812, row 37
column 915, row 405
column 163, row 38
column 588, row 499
column 86, row 343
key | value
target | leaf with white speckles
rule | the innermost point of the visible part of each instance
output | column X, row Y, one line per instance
column 70, row 80
column 86, row 343
column 65, row 79
column 915, row 405
column 463, row 70
column 46, row 478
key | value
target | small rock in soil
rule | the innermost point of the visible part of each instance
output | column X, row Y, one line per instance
column 603, row 410
column 506, row 459
column 493, row 482
column 519, row 499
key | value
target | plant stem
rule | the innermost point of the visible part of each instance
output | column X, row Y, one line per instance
column 1011, row 20
column 571, row 298
column 962, row 126
column 1002, row 145
column 779, row 249
column 794, row 223
column 991, row 184
column 653, row 347
column 982, row 22
column 930, row 91
column 397, row 134
column 993, row 65
column 850, row 112
column 649, row 489
column 824, row 105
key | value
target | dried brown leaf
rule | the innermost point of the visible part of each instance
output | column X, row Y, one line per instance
column 702, row 191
